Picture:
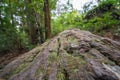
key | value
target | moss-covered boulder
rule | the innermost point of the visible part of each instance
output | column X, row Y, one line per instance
column 72, row 55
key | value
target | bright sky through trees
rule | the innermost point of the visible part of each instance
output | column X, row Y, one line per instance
column 78, row 4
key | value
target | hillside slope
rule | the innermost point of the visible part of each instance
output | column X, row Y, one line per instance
column 72, row 55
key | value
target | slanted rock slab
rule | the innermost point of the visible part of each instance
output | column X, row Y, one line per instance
column 72, row 55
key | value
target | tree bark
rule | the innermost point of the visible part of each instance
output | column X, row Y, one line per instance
column 47, row 19
column 39, row 28
column 0, row 20
column 11, row 13
column 30, row 17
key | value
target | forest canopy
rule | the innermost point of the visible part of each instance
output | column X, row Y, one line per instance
column 25, row 24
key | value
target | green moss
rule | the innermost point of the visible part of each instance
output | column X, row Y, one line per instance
column 17, row 70
column 82, row 60
column 55, row 46
column 72, row 58
column 60, row 76
column 73, row 40
column 98, row 41
column 52, row 56
column 74, row 63
column 31, row 58
column 109, row 62
column 76, row 70
column 6, row 77
column 40, row 70
column 90, row 56
column 20, row 68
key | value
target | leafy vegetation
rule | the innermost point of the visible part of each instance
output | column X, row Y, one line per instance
column 22, row 23
column 101, row 19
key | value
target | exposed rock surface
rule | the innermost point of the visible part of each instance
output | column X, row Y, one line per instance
column 72, row 55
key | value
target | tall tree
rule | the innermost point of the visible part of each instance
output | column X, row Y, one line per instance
column 31, row 22
column 0, row 16
column 39, row 28
column 47, row 19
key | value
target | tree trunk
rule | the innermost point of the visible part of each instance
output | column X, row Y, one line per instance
column 39, row 28
column 72, row 55
column 11, row 13
column 30, row 17
column 47, row 19
column 0, row 20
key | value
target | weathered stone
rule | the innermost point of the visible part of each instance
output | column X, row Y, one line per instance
column 72, row 55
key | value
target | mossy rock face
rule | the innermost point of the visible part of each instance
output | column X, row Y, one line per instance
column 72, row 55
